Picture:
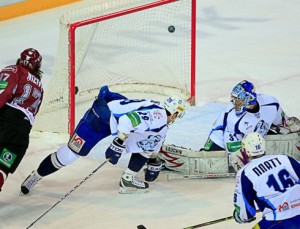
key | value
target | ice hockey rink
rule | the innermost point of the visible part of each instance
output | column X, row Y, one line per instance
column 236, row 40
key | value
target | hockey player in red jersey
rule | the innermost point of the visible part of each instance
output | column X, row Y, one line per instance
column 21, row 94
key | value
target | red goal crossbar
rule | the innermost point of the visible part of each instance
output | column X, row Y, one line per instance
column 72, row 29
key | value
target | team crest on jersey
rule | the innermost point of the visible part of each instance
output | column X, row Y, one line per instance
column 262, row 128
column 7, row 158
column 76, row 143
column 150, row 143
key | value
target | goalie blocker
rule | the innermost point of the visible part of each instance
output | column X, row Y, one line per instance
column 191, row 162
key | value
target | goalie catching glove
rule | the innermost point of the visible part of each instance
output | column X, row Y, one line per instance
column 292, row 125
column 115, row 150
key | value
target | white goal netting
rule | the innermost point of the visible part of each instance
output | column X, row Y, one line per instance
column 125, row 44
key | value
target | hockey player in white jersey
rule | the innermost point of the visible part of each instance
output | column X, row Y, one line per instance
column 270, row 182
column 141, row 131
column 248, row 112
column 139, row 127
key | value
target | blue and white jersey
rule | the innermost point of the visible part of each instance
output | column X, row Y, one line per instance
column 229, row 129
column 144, row 121
column 273, row 183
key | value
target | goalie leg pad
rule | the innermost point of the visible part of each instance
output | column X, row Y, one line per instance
column 192, row 162
column 288, row 144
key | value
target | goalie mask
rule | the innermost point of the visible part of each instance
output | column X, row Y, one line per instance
column 175, row 104
column 242, row 96
column 30, row 59
column 253, row 145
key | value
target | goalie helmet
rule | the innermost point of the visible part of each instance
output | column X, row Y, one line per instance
column 30, row 59
column 253, row 144
column 242, row 96
column 175, row 104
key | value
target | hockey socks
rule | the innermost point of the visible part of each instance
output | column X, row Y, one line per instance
column 136, row 162
column 49, row 165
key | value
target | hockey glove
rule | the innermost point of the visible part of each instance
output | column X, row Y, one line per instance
column 115, row 150
column 153, row 169
column 239, row 220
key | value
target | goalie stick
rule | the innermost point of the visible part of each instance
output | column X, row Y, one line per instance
column 174, row 176
column 61, row 199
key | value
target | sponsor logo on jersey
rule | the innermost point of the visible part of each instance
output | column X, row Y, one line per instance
column 247, row 125
column 295, row 205
column 134, row 118
column 7, row 158
column 76, row 143
column 283, row 207
column 3, row 85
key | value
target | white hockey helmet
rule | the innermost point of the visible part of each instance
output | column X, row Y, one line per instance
column 175, row 104
column 254, row 144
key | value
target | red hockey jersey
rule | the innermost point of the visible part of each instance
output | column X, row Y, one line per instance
column 21, row 89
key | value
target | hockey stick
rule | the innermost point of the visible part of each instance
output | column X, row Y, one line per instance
column 199, row 176
column 87, row 177
column 210, row 222
column 213, row 222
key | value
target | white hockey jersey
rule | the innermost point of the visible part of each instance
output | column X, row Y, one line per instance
column 273, row 183
column 229, row 129
column 145, row 122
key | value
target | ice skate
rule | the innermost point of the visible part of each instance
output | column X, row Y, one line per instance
column 30, row 181
column 130, row 184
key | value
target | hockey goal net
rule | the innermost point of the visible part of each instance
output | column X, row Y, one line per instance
column 129, row 45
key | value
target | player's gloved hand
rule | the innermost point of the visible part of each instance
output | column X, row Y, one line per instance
column 153, row 169
column 115, row 150
column 239, row 220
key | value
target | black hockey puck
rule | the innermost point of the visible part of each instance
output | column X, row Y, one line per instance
column 76, row 90
column 141, row 227
column 171, row 29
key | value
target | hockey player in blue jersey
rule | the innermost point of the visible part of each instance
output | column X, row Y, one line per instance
column 270, row 182
column 139, row 127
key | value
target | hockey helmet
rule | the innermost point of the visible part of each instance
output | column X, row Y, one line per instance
column 242, row 96
column 175, row 104
column 253, row 144
column 30, row 59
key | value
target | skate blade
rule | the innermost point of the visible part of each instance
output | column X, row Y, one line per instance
column 125, row 190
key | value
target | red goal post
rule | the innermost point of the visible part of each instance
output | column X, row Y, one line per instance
column 127, row 45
